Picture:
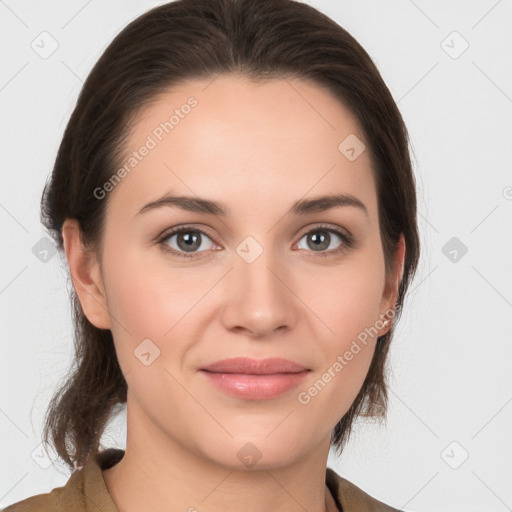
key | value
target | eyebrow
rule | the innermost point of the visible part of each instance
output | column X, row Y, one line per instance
column 300, row 207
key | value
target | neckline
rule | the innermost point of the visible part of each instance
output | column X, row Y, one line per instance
column 111, row 456
column 332, row 482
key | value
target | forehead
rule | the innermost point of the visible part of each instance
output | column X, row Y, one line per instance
column 280, row 139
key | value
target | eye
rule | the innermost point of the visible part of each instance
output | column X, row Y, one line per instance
column 187, row 240
column 190, row 240
column 320, row 239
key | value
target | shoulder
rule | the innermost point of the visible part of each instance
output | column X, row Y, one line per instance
column 59, row 499
column 352, row 498
column 84, row 489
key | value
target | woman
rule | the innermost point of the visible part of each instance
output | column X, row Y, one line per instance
column 235, row 200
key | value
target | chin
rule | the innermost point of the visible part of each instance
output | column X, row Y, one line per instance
column 258, row 452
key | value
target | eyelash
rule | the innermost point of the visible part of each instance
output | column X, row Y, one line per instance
column 348, row 240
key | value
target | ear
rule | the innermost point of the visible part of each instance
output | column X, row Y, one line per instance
column 390, row 294
column 85, row 273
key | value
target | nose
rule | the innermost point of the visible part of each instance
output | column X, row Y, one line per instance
column 259, row 297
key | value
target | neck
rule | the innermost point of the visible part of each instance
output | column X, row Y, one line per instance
column 158, row 473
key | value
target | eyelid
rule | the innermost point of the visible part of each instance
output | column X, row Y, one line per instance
column 328, row 227
column 347, row 238
column 165, row 235
column 184, row 227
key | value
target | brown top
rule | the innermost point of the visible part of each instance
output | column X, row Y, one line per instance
column 86, row 491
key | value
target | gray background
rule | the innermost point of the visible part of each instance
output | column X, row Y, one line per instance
column 451, row 386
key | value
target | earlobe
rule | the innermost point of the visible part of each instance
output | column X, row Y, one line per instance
column 85, row 274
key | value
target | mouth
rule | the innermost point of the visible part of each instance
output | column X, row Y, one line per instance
column 253, row 379
column 246, row 365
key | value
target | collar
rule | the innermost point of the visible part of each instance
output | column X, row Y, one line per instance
column 348, row 497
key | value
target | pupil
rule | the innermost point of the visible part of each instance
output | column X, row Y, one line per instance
column 320, row 241
column 191, row 241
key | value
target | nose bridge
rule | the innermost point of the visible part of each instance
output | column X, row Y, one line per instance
column 258, row 298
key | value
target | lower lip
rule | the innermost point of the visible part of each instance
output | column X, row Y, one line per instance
column 256, row 387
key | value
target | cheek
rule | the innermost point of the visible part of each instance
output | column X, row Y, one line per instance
column 146, row 297
column 333, row 390
column 154, row 302
column 346, row 300
column 346, row 360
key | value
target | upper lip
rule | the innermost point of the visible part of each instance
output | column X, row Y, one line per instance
column 255, row 366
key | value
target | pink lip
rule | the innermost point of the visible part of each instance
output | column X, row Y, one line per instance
column 255, row 379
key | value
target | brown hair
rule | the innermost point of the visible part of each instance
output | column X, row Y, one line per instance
column 199, row 39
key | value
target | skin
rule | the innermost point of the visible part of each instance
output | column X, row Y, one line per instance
column 256, row 147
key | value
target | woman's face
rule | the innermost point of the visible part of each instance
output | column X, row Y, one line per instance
column 268, row 279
